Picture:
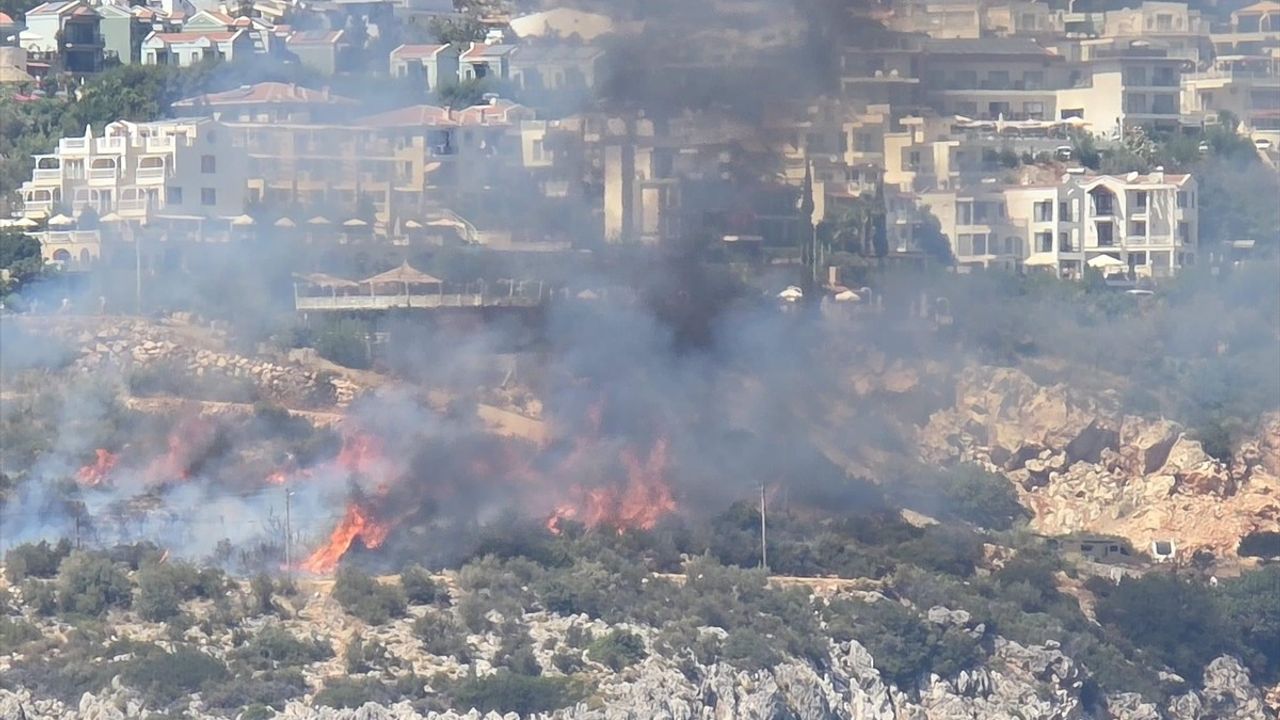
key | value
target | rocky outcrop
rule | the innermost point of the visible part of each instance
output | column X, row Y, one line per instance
column 1081, row 466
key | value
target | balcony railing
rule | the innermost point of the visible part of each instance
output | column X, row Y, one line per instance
column 103, row 174
column 150, row 173
column 421, row 301
column 72, row 145
column 66, row 237
column 45, row 174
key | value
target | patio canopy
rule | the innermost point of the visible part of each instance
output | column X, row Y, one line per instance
column 1105, row 261
column 242, row 221
column 285, row 223
column 1040, row 260
column 319, row 220
column 403, row 276
column 61, row 219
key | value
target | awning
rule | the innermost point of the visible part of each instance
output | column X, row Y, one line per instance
column 325, row 280
column 1105, row 261
column 406, row 274
column 110, row 217
column 414, row 224
column 355, row 222
column 1040, row 260
column 285, row 223
column 319, row 220
column 26, row 222
column 242, row 221
column 61, row 219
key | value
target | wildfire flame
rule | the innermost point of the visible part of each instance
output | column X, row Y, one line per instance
column 361, row 453
column 637, row 505
column 188, row 442
column 357, row 523
column 98, row 472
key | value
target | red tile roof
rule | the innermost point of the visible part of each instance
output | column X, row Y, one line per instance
column 265, row 93
column 6, row 20
column 413, row 116
column 315, row 37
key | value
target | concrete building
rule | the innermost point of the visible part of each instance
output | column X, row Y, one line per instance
column 481, row 61
column 1117, row 89
column 326, row 51
column 68, row 31
column 182, row 167
column 1254, row 30
column 435, row 65
column 993, row 78
column 1245, row 86
column 269, row 102
column 556, row 68
column 185, row 49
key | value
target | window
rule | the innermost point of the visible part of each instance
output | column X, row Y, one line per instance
column 1182, row 198
column 1064, row 242
column 1013, row 246
column 1044, row 241
column 1135, row 76
column 1135, row 103
column 998, row 79
column 913, row 160
column 1043, row 211
column 1137, row 228
column 1164, row 104
column 1140, row 200
column 208, row 196
column 1184, row 232
column 1064, row 211
column 1033, row 80
column 864, row 142
column 210, row 137
column 1106, row 234
column 980, row 244
column 964, row 212
column 208, row 164
column 536, row 151
column 966, row 80
column 173, row 195
column 1033, row 110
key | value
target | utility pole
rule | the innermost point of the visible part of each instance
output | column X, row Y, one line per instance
column 764, row 546
column 288, row 535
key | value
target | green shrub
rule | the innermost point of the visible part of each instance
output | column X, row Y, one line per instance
column 747, row 650
column 16, row 633
column 904, row 646
column 166, row 677
column 567, row 662
column 262, row 591
column 345, row 343
column 983, row 498
column 441, row 635
column 506, row 692
column 617, row 650
column 35, row 560
column 420, row 588
column 342, row 692
column 39, row 596
column 515, row 652
column 367, row 599
column 361, row 657
column 1175, row 620
column 89, row 584
column 268, row 691
column 161, row 589
column 1251, row 606
column 275, row 647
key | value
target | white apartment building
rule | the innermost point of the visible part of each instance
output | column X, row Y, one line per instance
column 1133, row 225
column 178, row 168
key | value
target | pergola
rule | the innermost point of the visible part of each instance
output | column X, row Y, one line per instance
column 332, row 283
column 403, row 278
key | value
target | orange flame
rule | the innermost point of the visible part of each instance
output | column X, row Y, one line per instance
column 637, row 505
column 186, row 443
column 361, row 453
column 357, row 523
column 98, row 472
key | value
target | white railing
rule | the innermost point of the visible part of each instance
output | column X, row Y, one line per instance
column 103, row 173
column 40, row 174
column 421, row 301
column 159, row 144
column 132, row 205
column 35, row 206
column 110, row 144
column 72, row 145
column 150, row 173
column 68, row 237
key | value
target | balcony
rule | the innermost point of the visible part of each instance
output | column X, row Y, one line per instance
column 159, row 144
column 103, row 176
column 52, row 176
column 110, row 144
column 72, row 146
column 151, row 175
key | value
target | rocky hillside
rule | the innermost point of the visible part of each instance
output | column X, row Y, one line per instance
column 1081, row 465
column 1014, row 682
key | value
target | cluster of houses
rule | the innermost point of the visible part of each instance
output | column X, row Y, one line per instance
column 957, row 116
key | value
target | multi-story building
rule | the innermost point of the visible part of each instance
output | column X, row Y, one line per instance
column 1144, row 225
column 834, row 139
column 481, row 61
column 882, row 68
column 1120, row 88
column 269, row 102
column 1254, row 30
column 1248, row 87
column 68, row 31
column 435, row 65
column 556, row 67
column 993, row 78
column 183, row 167
column 185, row 49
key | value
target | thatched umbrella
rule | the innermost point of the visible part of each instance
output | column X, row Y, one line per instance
column 405, row 275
